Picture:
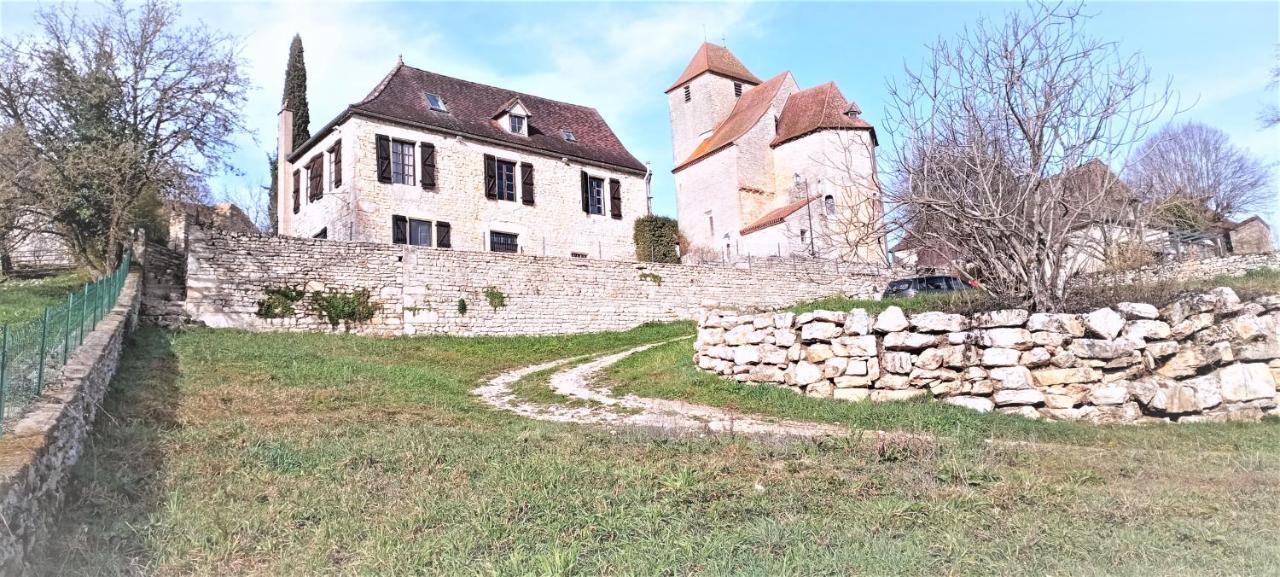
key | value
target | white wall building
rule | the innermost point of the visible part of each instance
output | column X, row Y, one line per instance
column 430, row 160
column 763, row 168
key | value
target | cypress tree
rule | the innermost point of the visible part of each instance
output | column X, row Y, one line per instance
column 272, row 195
column 295, row 93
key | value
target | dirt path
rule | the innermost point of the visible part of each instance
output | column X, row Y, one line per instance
column 603, row 408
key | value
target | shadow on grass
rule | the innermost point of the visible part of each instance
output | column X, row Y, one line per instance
column 118, row 485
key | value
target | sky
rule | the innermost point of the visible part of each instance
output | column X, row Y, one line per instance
column 618, row 57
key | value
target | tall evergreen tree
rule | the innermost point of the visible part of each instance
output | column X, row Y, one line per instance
column 272, row 194
column 295, row 92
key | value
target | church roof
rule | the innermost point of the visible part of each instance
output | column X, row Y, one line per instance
column 745, row 114
column 776, row 216
column 818, row 108
column 716, row 59
column 401, row 98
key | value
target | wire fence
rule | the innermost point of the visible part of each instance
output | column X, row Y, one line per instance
column 32, row 351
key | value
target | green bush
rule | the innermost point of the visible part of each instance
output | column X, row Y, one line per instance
column 462, row 307
column 657, row 238
column 343, row 308
column 495, row 297
column 279, row 302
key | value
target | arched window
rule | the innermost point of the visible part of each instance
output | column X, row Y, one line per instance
column 829, row 205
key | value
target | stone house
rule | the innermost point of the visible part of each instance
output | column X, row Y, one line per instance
column 430, row 160
column 765, row 169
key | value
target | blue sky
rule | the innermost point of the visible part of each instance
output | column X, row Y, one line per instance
column 619, row 57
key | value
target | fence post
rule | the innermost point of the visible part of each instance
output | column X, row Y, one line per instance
column 4, row 366
column 84, row 304
column 66, row 329
column 44, row 350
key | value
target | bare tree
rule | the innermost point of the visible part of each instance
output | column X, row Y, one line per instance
column 117, row 112
column 1194, row 176
column 1270, row 116
column 989, row 131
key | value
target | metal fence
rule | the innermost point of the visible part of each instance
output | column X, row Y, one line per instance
column 32, row 351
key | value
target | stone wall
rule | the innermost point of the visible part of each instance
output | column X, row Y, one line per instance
column 37, row 455
column 1205, row 357
column 418, row 289
column 1189, row 270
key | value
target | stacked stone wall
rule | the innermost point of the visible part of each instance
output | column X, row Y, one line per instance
column 1188, row 270
column 1204, row 357
column 418, row 290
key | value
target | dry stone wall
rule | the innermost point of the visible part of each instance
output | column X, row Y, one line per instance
column 1205, row 357
column 1189, row 270
column 418, row 290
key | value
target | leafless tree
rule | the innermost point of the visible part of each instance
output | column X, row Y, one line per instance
column 992, row 131
column 1270, row 116
column 1193, row 176
column 115, row 113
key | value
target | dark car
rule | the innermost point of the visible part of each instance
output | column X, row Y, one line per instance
column 909, row 287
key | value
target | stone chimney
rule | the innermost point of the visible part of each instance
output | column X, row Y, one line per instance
column 284, row 173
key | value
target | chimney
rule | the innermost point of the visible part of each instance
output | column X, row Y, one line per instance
column 284, row 172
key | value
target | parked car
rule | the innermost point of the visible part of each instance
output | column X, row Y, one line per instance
column 909, row 287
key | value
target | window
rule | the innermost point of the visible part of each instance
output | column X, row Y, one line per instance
column 410, row 231
column 315, row 178
column 297, row 191
column 711, row 224
column 324, row 233
column 436, row 103
column 687, row 95
column 401, row 162
column 829, row 205
column 595, row 195
column 737, row 89
column 516, row 123
column 503, row 242
column 804, row 234
column 335, row 165
column 568, row 135
column 506, row 174
column 578, row 254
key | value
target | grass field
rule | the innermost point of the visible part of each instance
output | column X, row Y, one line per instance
column 231, row 453
column 25, row 299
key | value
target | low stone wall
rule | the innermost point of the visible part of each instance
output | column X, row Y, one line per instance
column 418, row 290
column 1189, row 270
column 37, row 456
column 1205, row 357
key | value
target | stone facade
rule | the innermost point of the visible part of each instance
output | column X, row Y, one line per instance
column 36, row 456
column 418, row 289
column 1205, row 357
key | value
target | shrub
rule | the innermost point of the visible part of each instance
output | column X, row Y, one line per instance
column 495, row 297
column 462, row 307
column 344, row 308
column 651, row 277
column 279, row 302
column 656, row 239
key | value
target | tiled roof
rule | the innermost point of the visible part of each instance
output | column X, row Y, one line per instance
column 818, row 108
column 776, row 216
column 717, row 59
column 746, row 113
column 401, row 97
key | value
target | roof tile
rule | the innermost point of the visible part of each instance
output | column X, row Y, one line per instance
column 817, row 108
column 717, row 59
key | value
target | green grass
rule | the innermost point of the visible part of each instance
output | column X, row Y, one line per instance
column 232, row 453
column 22, row 300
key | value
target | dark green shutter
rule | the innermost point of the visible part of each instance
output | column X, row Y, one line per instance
column 337, row 164
column 428, row 165
column 615, row 199
column 382, row 144
column 443, row 237
column 526, row 185
column 586, row 193
column 297, row 191
column 399, row 230
column 490, row 177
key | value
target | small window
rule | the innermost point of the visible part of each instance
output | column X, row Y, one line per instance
column 402, row 169
column 829, row 205
column 503, row 242
column 711, row 224
column 737, row 89
column 687, row 95
column 595, row 195
column 568, row 135
column 578, row 254
column 410, row 231
column 506, row 173
column 436, row 103
column 804, row 235
column 324, row 233
column 516, row 123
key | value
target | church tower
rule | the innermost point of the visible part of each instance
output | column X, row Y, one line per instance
column 704, row 95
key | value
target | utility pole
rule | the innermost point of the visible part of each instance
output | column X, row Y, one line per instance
column 808, row 209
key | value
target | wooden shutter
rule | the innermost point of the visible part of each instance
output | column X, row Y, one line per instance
column 615, row 199
column 382, row 143
column 428, row 165
column 586, row 193
column 526, row 183
column 399, row 230
column 490, row 177
column 336, row 151
column 315, row 178
column 444, row 238
column 297, row 191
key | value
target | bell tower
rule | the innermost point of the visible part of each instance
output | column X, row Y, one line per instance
column 704, row 95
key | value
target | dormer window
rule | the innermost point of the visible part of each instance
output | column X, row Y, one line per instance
column 568, row 135
column 515, row 123
column 436, row 103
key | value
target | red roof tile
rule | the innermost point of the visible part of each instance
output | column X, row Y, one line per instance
column 746, row 113
column 401, row 97
column 817, row 108
column 717, row 59
column 776, row 216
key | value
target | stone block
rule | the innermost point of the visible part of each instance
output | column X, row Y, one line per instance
column 1007, row 338
column 818, row 352
column 850, row 394
column 903, row 341
column 1000, row 318
column 1143, row 330
column 1051, row 377
column 1101, row 349
column 1062, row 323
column 936, row 322
column 899, row 363
column 897, row 395
column 1012, row 377
column 1036, row 357
column 820, row 390
column 858, row 322
column 1246, row 381
column 1104, row 323
column 999, row 357
column 746, row 355
column 891, row 320
column 1018, row 397
column 980, row 404
column 1109, row 394
column 860, row 346
column 819, row 331
column 805, row 373
column 1138, row 310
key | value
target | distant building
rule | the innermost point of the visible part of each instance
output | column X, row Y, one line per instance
column 763, row 168
column 430, row 160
